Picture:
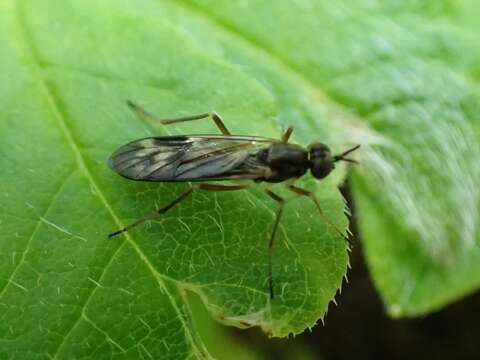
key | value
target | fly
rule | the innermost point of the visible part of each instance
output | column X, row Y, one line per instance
column 205, row 158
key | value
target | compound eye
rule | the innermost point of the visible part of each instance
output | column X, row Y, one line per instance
column 321, row 160
column 321, row 167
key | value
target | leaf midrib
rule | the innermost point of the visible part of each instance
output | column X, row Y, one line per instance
column 26, row 45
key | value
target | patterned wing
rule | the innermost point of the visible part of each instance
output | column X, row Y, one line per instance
column 190, row 158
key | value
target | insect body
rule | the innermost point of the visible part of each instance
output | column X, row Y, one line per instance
column 203, row 158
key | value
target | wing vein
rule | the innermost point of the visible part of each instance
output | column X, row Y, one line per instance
column 192, row 158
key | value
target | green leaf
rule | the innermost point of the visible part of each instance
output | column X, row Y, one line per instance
column 409, row 71
column 398, row 77
column 66, row 291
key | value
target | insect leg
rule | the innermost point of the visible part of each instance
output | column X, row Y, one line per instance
column 278, row 199
column 281, row 203
column 155, row 213
column 307, row 193
column 286, row 134
column 213, row 115
column 208, row 187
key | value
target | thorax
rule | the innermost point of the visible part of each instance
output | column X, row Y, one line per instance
column 285, row 161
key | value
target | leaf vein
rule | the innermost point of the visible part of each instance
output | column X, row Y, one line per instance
column 29, row 49
column 34, row 232
column 290, row 70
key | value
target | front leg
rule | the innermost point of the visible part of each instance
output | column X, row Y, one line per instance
column 311, row 195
